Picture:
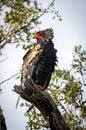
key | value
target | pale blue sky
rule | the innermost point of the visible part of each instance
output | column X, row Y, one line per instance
column 68, row 33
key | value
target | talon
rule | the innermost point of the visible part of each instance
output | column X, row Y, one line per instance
column 39, row 86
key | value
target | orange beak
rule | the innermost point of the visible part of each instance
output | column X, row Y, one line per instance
column 37, row 36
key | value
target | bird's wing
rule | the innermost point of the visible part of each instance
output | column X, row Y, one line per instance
column 29, row 56
column 32, row 52
column 47, row 81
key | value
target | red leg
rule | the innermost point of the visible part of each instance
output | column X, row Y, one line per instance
column 40, row 87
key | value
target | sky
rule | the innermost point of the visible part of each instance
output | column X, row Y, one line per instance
column 69, row 32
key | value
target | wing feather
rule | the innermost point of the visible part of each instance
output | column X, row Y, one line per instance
column 29, row 56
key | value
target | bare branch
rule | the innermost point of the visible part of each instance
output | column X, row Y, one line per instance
column 43, row 101
column 3, row 59
column 2, row 121
column 9, row 78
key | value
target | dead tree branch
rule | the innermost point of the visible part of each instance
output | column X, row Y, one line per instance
column 43, row 101
column 9, row 78
column 2, row 121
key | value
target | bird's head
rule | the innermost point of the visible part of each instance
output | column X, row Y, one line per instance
column 45, row 35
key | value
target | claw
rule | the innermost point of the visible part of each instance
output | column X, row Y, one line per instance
column 40, row 87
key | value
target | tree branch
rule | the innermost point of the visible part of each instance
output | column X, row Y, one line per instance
column 43, row 101
column 6, row 38
column 2, row 121
column 9, row 78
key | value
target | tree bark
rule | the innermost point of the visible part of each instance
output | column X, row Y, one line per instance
column 43, row 101
column 2, row 121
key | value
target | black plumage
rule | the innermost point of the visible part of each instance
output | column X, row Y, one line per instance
column 39, row 62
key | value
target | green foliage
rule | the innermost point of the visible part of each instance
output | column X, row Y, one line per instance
column 35, row 120
column 66, row 88
column 19, row 18
column 79, row 60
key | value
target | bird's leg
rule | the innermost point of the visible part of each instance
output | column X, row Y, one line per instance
column 40, row 87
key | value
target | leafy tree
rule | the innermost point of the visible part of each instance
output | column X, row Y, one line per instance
column 19, row 18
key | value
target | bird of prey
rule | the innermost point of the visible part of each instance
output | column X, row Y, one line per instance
column 39, row 62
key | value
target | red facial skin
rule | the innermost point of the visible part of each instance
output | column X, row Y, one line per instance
column 37, row 36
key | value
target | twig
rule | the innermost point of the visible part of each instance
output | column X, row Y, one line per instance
column 64, row 108
column 9, row 78
column 44, row 11
column 3, row 59
column 8, row 36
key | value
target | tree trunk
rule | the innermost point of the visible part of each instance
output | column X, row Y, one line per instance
column 2, row 121
column 43, row 101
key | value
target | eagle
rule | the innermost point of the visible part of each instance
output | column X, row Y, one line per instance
column 39, row 62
